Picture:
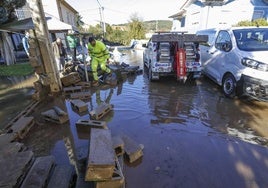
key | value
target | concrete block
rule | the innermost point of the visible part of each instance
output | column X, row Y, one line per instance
column 70, row 79
column 84, row 85
column 117, row 180
column 81, row 95
column 79, row 105
column 100, row 111
column 51, row 115
column 62, row 177
column 118, row 145
column 92, row 123
column 69, row 90
column 101, row 157
column 21, row 127
column 14, row 168
column 11, row 148
column 38, row 175
column 132, row 149
column 25, row 112
column 6, row 139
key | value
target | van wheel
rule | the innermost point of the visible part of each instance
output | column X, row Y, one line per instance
column 229, row 86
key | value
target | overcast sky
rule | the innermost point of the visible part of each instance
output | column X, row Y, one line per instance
column 119, row 11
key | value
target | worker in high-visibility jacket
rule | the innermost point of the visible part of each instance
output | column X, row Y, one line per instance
column 99, row 56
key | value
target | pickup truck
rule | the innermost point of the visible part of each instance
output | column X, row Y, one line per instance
column 173, row 54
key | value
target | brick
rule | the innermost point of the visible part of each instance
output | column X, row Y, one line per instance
column 81, row 95
column 79, row 105
column 21, row 127
column 39, row 172
column 100, row 111
column 132, row 149
column 101, row 157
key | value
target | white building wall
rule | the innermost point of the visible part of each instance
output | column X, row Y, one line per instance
column 217, row 16
column 51, row 7
column 68, row 16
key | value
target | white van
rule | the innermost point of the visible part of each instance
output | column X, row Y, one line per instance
column 237, row 59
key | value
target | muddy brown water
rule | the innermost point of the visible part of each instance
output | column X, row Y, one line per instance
column 192, row 135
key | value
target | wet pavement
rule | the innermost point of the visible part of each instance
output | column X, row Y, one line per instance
column 192, row 135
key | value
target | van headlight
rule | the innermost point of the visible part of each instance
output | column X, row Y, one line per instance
column 255, row 64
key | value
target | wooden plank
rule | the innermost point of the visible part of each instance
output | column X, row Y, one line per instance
column 101, row 157
column 63, row 176
column 14, row 167
column 39, row 173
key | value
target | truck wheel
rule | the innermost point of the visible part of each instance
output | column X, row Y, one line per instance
column 229, row 86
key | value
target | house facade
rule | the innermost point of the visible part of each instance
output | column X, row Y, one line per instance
column 194, row 15
column 61, row 16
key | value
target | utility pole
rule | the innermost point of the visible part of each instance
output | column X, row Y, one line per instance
column 101, row 8
column 40, row 50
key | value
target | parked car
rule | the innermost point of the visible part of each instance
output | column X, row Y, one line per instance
column 236, row 59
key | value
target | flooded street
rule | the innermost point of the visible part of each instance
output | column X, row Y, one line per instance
column 15, row 95
column 192, row 135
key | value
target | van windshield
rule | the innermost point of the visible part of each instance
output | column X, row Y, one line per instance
column 253, row 39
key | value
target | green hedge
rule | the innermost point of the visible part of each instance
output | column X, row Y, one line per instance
column 21, row 69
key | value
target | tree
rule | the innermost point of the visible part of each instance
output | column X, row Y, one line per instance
column 136, row 27
column 257, row 22
column 7, row 10
column 79, row 21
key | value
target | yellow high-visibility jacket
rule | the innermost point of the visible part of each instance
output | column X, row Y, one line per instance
column 98, row 51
